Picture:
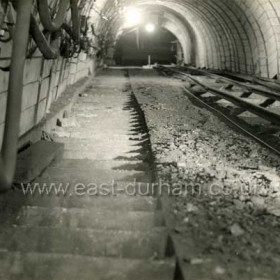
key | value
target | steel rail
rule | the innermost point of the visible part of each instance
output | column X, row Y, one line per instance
column 267, row 82
column 255, row 109
column 264, row 92
column 230, row 120
column 221, row 114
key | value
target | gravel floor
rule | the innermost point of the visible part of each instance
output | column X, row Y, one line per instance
column 229, row 217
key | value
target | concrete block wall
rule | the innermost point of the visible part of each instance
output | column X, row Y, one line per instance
column 44, row 81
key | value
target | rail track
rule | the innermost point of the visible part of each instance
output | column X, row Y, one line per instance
column 250, row 105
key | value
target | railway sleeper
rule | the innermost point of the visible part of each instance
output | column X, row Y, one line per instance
column 246, row 94
column 268, row 103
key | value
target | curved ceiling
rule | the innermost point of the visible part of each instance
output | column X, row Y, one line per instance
column 237, row 35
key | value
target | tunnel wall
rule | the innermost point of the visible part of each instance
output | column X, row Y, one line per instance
column 44, row 81
column 237, row 35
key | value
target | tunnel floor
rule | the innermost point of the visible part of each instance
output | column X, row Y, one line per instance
column 225, row 200
column 125, row 133
column 101, row 219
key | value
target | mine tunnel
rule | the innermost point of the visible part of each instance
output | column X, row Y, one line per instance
column 139, row 139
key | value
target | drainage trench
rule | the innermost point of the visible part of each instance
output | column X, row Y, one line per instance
column 139, row 130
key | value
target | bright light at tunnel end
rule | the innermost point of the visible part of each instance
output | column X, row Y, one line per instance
column 150, row 27
column 133, row 16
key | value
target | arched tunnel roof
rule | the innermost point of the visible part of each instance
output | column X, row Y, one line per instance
column 236, row 35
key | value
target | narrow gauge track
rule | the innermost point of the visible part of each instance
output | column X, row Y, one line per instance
column 264, row 86
column 252, row 109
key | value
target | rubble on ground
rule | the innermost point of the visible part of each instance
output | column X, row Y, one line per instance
column 234, row 216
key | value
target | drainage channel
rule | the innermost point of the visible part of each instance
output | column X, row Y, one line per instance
column 139, row 130
column 174, row 248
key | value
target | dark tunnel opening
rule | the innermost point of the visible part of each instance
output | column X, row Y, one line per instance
column 140, row 47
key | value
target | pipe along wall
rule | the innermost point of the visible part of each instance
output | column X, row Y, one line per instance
column 28, row 86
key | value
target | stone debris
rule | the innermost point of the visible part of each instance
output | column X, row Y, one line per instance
column 231, row 211
column 219, row 270
column 59, row 132
column 192, row 208
column 239, row 204
column 69, row 122
column 258, row 202
column 83, row 95
column 236, row 230
column 199, row 261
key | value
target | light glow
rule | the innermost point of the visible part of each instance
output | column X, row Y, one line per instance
column 133, row 16
column 150, row 27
